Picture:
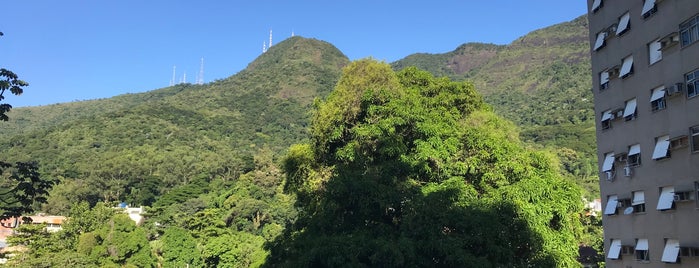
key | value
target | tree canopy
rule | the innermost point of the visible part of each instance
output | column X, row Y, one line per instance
column 405, row 169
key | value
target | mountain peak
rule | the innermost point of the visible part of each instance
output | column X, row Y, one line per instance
column 299, row 49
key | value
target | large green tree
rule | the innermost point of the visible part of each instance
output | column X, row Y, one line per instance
column 405, row 169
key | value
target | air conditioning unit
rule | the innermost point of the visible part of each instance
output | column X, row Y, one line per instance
column 627, row 172
column 675, row 89
column 677, row 197
column 669, row 40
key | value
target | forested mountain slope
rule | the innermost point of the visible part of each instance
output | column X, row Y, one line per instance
column 541, row 81
column 124, row 146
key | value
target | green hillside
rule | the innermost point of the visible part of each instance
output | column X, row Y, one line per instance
column 541, row 81
column 174, row 135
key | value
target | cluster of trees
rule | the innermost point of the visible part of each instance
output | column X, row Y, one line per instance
column 404, row 169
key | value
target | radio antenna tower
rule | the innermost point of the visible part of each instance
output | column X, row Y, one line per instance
column 264, row 46
column 172, row 81
column 200, row 78
column 270, row 38
column 184, row 77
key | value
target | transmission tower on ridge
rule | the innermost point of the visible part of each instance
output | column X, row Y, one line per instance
column 264, row 46
column 200, row 78
column 270, row 38
column 172, row 81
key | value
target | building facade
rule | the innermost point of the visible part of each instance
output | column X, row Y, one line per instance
column 645, row 73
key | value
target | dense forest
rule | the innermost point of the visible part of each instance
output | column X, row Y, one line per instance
column 306, row 159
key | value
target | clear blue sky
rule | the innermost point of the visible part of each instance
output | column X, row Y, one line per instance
column 77, row 50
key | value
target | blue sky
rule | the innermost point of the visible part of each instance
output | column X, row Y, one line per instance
column 78, row 50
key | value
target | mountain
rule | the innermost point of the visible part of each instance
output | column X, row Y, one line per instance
column 120, row 147
column 541, row 81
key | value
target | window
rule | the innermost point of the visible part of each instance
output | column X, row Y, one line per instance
column 692, row 83
column 662, row 146
column 627, row 250
column 614, row 249
column 608, row 166
column 671, row 251
column 606, row 119
column 596, row 5
column 679, row 143
column 612, row 204
column 689, row 31
column 624, row 24
column 604, row 80
column 630, row 110
column 639, row 202
column 599, row 42
column 649, row 8
column 634, row 157
column 666, row 200
column 642, row 250
column 657, row 99
column 626, row 67
column 695, row 138
column 654, row 52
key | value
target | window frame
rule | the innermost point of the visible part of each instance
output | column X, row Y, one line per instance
column 628, row 116
column 654, row 46
column 622, row 27
column 638, row 202
column 694, row 134
column 689, row 31
column 633, row 159
column 641, row 250
column 596, row 5
column 692, row 81
column 629, row 72
column 658, row 103
column 662, row 143
column 671, row 248
column 666, row 199
column 604, row 85
column 647, row 11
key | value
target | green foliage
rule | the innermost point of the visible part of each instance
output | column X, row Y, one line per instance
column 410, row 170
column 180, row 248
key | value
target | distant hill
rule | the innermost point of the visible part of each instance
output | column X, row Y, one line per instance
column 541, row 81
column 177, row 134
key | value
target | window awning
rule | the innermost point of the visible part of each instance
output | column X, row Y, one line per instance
column 635, row 149
column 647, row 6
column 671, row 251
column 642, row 244
column 614, row 249
column 600, row 40
column 630, row 108
column 667, row 197
column 610, row 209
column 638, row 198
column 623, row 23
column 658, row 93
column 603, row 77
column 608, row 162
column 661, row 147
column 607, row 115
column 626, row 66
column 596, row 4
column 654, row 52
